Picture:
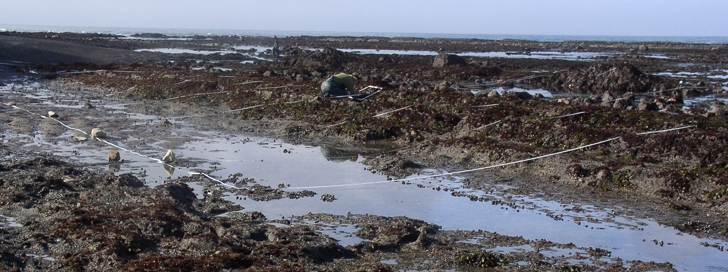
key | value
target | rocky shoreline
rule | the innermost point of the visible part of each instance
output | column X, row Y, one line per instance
column 677, row 177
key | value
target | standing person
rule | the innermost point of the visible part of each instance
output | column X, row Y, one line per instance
column 337, row 85
column 276, row 47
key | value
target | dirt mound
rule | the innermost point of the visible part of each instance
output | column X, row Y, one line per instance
column 600, row 78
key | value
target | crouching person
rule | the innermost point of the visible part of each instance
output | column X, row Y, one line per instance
column 338, row 85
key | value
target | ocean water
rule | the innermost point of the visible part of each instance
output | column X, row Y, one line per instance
column 191, row 32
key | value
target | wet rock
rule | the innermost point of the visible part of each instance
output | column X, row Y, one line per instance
column 646, row 106
column 168, row 157
column 620, row 103
column 444, row 59
column 607, row 96
column 328, row 57
column 98, row 133
column 87, row 105
column 661, row 104
column 675, row 98
column 576, row 171
column 519, row 95
column 604, row 175
column 443, row 86
column 715, row 111
column 328, row 198
column 128, row 180
column 600, row 78
column 397, row 233
column 629, row 96
column 165, row 123
column 114, row 156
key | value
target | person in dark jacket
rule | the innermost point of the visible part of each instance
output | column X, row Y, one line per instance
column 338, row 85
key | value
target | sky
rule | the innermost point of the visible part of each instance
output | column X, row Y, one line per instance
column 516, row 17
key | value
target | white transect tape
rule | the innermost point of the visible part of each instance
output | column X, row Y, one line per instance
column 374, row 182
column 193, row 95
column 375, row 116
column 460, row 172
column 567, row 115
column 486, row 167
column 392, row 111
column 128, row 150
column 98, row 139
column 485, row 106
column 485, row 126
column 247, row 108
column 214, row 179
column 664, row 130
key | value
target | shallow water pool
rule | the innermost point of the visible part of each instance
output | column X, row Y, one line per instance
column 357, row 190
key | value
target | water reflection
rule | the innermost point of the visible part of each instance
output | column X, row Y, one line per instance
column 338, row 155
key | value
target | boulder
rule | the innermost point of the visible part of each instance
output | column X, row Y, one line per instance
column 168, row 157
column 444, row 59
column 114, row 156
column 715, row 111
column 98, row 133
column 87, row 105
column 646, row 106
column 607, row 97
column 164, row 123
column 621, row 103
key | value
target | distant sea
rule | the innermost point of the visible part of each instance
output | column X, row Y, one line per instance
column 220, row 32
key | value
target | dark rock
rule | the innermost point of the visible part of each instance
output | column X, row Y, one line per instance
column 576, row 171
column 646, row 106
column 114, row 156
column 620, row 103
column 715, row 111
column 519, row 95
column 600, row 78
column 444, row 59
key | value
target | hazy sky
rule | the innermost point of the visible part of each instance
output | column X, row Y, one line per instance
column 545, row 17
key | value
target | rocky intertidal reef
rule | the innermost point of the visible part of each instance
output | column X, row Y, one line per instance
column 668, row 166
column 623, row 128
